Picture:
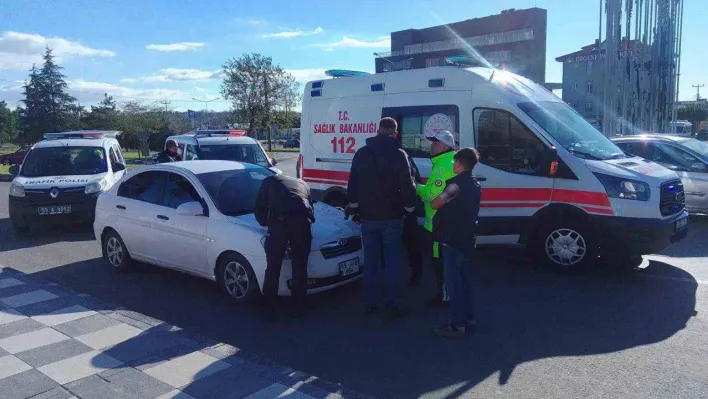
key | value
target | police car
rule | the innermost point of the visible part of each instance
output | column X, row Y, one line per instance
column 549, row 179
column 224, row 145
column 197, row 217
column 62, row 176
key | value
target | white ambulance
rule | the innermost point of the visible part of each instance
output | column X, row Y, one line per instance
column 550, row 180
column 61, row 178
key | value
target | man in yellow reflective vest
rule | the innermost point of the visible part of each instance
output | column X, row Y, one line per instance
column 442, row 152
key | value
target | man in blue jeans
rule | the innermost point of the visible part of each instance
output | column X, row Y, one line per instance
column 455, row 228
column 381, row 193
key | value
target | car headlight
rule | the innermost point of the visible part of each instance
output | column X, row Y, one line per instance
column 618, row 187
column 96, row 187
column 17, row 190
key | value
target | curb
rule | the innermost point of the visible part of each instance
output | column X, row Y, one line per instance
column 254, row 363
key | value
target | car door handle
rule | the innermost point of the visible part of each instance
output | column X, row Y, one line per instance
column 121, row 207
column 163, row 217
column 480, row 178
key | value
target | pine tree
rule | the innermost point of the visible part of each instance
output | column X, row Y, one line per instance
column 60, row 105
column 32, row 123
column 103, row 116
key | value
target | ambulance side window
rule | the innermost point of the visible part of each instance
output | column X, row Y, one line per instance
column 412, row 122
column 505, row 143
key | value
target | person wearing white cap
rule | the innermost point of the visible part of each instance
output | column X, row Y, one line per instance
column 442, row 152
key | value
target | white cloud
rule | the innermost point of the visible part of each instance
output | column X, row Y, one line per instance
column 292, row 34
column 348, row 42
column 182, row 46
column 251, row 21
column 176, row 75
column 20, row 50
column 307, row 75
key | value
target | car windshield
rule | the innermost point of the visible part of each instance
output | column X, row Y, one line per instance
column 249, row 153
column 571, row 131
column 696, row 146
column 64, row 161
column 234, row 191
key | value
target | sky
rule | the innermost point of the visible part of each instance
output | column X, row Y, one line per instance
column 173, row 50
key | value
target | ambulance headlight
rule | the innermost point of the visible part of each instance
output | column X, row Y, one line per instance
column 17, row 190
column 96, row 187
column 618, row 187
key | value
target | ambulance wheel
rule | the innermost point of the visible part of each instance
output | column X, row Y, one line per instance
column 566, row 246
column 237, row 280
column 336, row 199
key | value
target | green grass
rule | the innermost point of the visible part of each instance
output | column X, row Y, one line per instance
column 8, row 148
column 4, row 169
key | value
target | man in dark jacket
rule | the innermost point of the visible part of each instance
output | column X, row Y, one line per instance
column 412, row 235
column 284, row 205
column 455, row 228
column 170, row 154
column 381, row 191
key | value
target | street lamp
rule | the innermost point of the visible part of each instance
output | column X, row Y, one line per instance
column 206, row 103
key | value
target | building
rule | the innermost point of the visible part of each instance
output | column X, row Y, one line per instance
column 514, row 40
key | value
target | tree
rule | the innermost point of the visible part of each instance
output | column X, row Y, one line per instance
column 694, row 114
column 47, row 105
column 104, row 115
column 8, row 124
column 256, row 87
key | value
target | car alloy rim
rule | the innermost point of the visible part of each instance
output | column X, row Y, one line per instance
column 114, row 251
column 236, row 280
column 566, row 247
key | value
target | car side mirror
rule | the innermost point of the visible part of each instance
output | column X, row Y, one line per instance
column 274, row 161
column 192, row 208
column 696, row 167
column 14, row 170
column 118, row 167
column 553, row 162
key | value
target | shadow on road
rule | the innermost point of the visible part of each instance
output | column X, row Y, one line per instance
column 694, row 245
column 524, row 314
column 10, row 240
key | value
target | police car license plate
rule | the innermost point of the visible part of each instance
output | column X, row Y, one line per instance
column 349, row 267
column 54, row 210
column 681, row 224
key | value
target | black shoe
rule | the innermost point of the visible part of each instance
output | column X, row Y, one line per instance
column 371, row 309
column 436, row 302
column 397, row 312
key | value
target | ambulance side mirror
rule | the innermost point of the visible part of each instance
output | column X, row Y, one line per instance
column 553, row 162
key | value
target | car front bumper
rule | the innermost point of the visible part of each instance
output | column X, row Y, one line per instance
column 25, row 210
column 322, row 274
column 637, row 236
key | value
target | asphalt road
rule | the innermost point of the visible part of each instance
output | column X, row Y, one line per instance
column 641, row 334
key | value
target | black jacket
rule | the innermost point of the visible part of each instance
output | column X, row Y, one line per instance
column 381, row 180
column 166, row 157
column 282, row 198
column 455, row 224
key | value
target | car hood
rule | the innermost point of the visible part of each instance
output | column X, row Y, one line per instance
column 633, row 168
column 329, row 225
column 57, row 181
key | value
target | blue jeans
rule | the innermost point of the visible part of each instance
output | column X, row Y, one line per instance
column 382, row 240
column 457, row 284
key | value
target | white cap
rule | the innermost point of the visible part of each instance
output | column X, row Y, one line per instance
column 445, row 137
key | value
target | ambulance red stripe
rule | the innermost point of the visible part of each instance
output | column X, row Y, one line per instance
column 511, row 204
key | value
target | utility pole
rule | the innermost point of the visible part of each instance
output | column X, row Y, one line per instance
column 698, row 91
column 166, row 103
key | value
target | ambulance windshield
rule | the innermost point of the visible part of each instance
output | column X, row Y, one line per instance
column 571, row 131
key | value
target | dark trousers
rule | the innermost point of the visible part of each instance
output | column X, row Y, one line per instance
column 436, row 262
column 412, row 242
column 296, row 235
column 458, row 280
column 382, row 240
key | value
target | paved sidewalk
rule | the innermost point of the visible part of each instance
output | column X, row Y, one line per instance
column 59, row 344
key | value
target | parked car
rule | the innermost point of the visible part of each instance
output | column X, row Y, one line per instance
column 687, row 157
column 292, row 143
column 197, row 217
column 15, row 158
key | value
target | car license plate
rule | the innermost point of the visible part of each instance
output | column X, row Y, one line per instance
column 681, row 224
column 349, row 267
column 54, row 210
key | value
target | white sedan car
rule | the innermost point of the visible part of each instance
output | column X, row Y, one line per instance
column 197, row 217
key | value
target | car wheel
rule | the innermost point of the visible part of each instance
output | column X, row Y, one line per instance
column 566, row 246
column 115, row 252
column 21, row 229
column 237, row 280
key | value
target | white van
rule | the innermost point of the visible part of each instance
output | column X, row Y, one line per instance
column 550, row 180
column 62, row 176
